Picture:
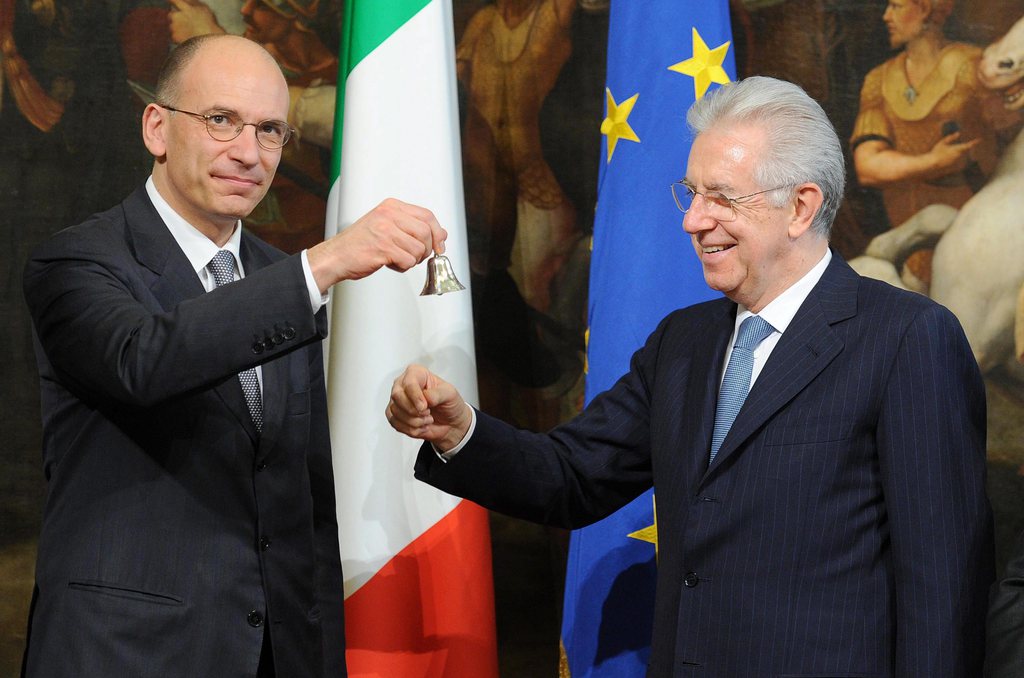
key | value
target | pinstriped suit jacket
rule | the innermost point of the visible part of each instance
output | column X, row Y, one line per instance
column 843, row 528
column 173, row 533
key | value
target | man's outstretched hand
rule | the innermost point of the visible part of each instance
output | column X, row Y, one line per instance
column 426, row 407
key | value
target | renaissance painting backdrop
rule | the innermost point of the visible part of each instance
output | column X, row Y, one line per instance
column 944, row 218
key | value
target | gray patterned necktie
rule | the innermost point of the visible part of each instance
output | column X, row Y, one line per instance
column 736, row 383
column 222, row 266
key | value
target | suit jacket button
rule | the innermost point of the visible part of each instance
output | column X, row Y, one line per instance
column 277, row 338
column 268, row 344
column 691, row 579
column 260, row 466
column 264, row 543
column 289, row 332
column 257, row 347
column 255, row 619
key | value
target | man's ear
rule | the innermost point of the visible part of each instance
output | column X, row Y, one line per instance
column 154, row 130
column 808, row 200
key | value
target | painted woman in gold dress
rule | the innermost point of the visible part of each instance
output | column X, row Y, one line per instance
column 508, row 60
column 924, row 133
column 522, row 226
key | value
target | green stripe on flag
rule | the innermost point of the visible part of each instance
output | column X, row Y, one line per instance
column 367, row 24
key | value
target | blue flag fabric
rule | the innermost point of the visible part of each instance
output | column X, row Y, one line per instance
column 662, row 54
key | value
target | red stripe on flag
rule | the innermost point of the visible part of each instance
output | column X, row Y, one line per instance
column 429, row 613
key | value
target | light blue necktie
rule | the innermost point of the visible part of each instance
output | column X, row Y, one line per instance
column 736, row 383
column 222, row 266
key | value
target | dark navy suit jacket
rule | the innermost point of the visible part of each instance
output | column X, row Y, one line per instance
column 173, row 533
column 843, row 528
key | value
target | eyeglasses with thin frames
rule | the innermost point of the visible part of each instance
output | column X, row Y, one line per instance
column 719, row 206
column 270, row 134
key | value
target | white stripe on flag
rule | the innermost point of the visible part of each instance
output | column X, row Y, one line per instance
column 400, row 140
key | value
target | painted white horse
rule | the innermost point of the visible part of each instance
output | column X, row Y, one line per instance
column 978, row 266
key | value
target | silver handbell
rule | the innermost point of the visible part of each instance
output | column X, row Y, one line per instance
column 440, row 277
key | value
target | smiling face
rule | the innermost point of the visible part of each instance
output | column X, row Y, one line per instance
column 757, row 256
column 211, row 183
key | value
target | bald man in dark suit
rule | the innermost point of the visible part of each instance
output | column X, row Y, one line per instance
column 190, row 525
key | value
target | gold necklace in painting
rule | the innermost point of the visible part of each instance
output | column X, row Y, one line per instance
column 910, row 93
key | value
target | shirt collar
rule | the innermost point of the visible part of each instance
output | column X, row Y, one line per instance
column 779, row 313
column 197, row 247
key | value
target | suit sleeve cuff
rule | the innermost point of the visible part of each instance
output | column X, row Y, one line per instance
column 447, row 456
column 316, row 300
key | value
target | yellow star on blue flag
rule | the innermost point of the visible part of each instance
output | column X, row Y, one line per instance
column 705, row 66
column 649, row 534
column 615, row 126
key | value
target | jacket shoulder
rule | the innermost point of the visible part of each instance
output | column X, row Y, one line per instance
column 874, row 292
column 102, row 233
column 885, row 306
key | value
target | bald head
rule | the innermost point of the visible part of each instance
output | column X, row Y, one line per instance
column 169, row 81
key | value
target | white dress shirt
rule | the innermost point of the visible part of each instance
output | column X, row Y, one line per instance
column 779, row 313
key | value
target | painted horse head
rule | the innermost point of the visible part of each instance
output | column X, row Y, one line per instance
column 1002, row 66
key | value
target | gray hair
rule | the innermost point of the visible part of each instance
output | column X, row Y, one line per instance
column 802, row 145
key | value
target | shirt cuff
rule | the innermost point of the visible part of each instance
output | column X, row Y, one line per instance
column 447, row 456
column 316, row 300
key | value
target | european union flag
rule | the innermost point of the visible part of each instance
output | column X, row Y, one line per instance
column 662, row 55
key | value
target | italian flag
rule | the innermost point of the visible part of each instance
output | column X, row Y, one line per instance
column 419, row 598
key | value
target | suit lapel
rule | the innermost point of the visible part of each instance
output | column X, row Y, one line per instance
column 698, row 405
column 173, row 280
column 806, row 348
